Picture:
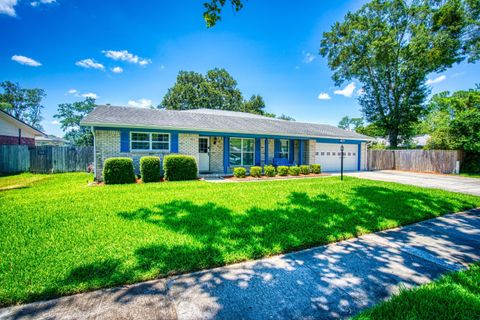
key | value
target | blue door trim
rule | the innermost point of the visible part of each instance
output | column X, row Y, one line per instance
column 266, row 151
column 257, row 152
column 226, row 153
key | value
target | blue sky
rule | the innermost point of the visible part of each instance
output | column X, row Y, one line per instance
column 270, row 48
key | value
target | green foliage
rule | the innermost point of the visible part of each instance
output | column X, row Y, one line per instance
column 269, row 171
column 23, row 104
column 371, row 130
column 315, row 168
column 180, row 167
column 118, row 171
column 255, row 105
column 256, row 171
column 70, row 115
column 305, row 169
column 378, row 146
column 294, row 171
column 213, row 9
column 471, row 162
column 390, row 46
column 285, row 117
column 348, row 123
column 150, row 169
column 239, row 172
column 282, row 170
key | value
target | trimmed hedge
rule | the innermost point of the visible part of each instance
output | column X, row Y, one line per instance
column 239, row 172
column 269, row 171
column 282, row 170
column 150, row 169
column 294, row 171
column 118, row 171
column 180, row 167
column 315, row 168
column 304, row 169
column 256, row 172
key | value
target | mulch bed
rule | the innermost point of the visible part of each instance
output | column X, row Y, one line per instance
column 249, row 178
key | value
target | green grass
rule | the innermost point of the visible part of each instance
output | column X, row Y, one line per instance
column 470, row 175
column 454, row 296
column 60, row 236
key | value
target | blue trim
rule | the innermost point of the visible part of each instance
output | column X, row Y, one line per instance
column 300, row 152
column 257, row 152
column 276, row 151
column 174, row 142
column 328, row 140
column 124, row 140
column 291, row 151
column 266, row 151
column 226, row 153
column 359, row 153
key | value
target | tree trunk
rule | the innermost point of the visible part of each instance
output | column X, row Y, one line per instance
column 393, row 138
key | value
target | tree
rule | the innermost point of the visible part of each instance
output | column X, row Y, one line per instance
column 70, row 115
column 213, row 9
column 390, row 46
column 348, row 123
column 256, row 105
column 371, row 130
column 23, row 104
column 285, row 117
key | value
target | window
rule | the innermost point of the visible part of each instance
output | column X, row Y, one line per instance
column 145, row 141
column 333, row 153
column 242, row 151
column 284, row 149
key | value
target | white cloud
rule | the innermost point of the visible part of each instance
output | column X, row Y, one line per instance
column 26, row 61
column 55, row 122
column 72, row 91
column 117, row 70
column 436, row 80
column 124, row 55
column 8, row 7
column 324, row 96
column 347, row 91
column 37, row 3
column 90, row 95
column 308, row 57
column 90, row 64
column 140, row 103
column 458, row 74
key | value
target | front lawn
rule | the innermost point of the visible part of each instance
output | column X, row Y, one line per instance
column 60, row 236
column 454, row 296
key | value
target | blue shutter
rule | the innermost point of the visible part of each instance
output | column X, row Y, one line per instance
column 300, row 151
column 291, row 151
column 174, row 142
column 276, row 151
column 257, row 152
column 124, row 140
column 226, row 153
column 266, row 151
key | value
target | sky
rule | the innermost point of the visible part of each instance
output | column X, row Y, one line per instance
column 130, row 52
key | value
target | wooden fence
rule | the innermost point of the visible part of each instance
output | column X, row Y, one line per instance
column 44, row 159
column 438, row 161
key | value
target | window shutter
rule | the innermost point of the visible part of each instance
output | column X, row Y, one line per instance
column 124, row 140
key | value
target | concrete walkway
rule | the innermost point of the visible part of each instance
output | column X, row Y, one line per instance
column 332, row 281
column 438, row 181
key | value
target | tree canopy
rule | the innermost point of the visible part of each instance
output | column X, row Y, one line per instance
column 390, row 46
column 23, row 104
column 349, row 124
column 213, row 10
column 70, row 115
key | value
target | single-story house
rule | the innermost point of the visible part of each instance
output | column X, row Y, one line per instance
column 15, row 131
column 220, row 140
column 51, row 140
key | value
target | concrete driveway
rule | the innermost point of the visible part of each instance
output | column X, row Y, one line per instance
column 437, row 181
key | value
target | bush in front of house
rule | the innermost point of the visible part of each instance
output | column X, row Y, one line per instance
column 294, row 171
column 239, row 172
column 178, row 167
column 304, row 169
column 315, row 168
column 282, row 170
column 269, row 171
column 256, row 172
column 150, row 169
column 118, row 171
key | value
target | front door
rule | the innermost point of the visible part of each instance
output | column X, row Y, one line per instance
column 204, row 154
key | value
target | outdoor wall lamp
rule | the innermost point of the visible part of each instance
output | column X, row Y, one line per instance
column 341, row 158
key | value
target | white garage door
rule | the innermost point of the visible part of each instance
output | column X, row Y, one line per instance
column 328, row 156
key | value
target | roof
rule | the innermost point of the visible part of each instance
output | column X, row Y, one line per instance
column 20, row 123
column 51, row 138
column 210, row 121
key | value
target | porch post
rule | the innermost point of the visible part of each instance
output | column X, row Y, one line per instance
column 300, row 151
column 291, row 154
column 257, row 152
column 226, row 153
column 266, row 151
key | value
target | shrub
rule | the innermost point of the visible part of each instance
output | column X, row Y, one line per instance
column 150, row 169
column 256, row 172
column 239, row 172
column 269, row 171
column 118, row 171
column 282, row 170
column 471, row 163
column 304, row 169
column 315, row 168
column 294, row 171
column 179, row 167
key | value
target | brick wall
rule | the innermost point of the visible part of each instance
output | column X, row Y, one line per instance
column 14, row 140
column 216, row 154
column 310, row 151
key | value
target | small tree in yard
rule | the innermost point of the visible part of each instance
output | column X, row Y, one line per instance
column 70, row 115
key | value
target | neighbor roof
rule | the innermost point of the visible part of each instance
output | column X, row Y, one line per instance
column 210, row 121
column 20, row 123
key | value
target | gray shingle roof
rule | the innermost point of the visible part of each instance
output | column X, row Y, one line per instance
column 212, row 121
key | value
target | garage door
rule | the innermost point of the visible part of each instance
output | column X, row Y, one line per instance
column 328, row 156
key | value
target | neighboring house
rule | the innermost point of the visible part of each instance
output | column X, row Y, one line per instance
column 220, row 140
column 15, row 131
column 415, row 142
column 51, row 140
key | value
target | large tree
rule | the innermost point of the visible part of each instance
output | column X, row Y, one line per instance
column 70, row 115
column 390, row 46
column 23, row 104
column 349, row 124
column 213, row 10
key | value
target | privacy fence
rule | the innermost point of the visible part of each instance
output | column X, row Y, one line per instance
column 44, row 159
column 438, row 161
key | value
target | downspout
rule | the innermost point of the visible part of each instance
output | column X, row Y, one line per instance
column 94, row 154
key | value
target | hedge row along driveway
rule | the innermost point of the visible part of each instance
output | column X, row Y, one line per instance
column 60, row 236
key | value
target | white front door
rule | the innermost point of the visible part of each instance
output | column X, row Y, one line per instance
column 328, row 156
column 204, row 154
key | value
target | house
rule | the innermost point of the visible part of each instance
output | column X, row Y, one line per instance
column 51, row 140
column 15, row 131
column 220, row 140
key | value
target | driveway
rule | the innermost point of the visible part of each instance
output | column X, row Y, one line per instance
column 332, row 281
column 438, row 181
